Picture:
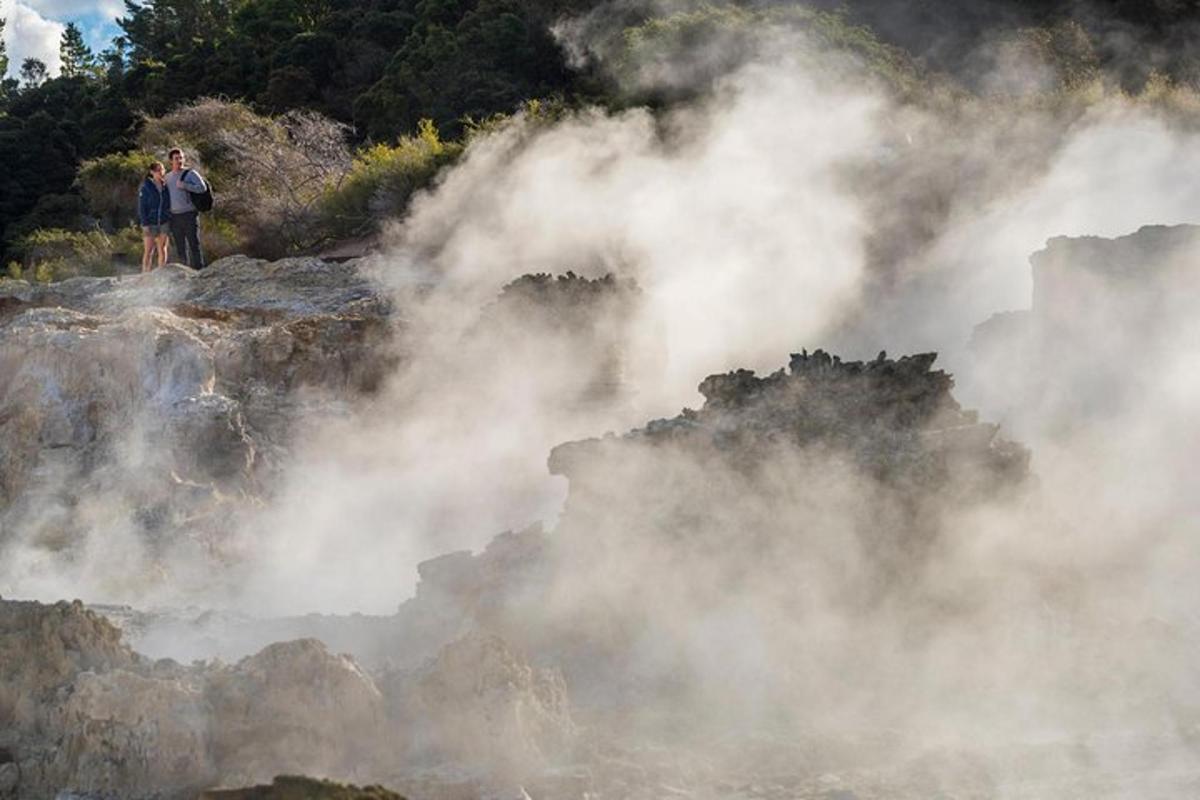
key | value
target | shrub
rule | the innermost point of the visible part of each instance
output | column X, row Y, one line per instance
column 1178, row 103
column 219, row 238
column 54, row 254
column 199, row 128
column 537, row 113
column 110, row 184
column 383, row 178
column 52, row 211
column 269, row 174
column 1061, row 58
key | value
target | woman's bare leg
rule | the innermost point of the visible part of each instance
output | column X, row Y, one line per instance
column 147, row 251
column 163, row 245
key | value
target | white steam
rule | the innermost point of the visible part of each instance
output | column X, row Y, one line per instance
column 792, row 205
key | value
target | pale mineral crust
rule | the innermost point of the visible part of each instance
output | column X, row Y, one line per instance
column 174, row 396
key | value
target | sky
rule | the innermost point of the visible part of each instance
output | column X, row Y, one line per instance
column 34, row 27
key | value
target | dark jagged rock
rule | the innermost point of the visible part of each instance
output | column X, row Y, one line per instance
column 295, row 787
column 558, row 295
column 895, row 418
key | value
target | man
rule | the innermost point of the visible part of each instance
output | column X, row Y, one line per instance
column 185, row 223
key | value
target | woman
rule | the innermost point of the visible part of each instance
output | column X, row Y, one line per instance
column 154, row 214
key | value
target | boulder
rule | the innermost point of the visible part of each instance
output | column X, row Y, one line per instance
column 295, row 707
column 481, row 705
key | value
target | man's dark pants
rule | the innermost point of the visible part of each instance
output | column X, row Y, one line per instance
column 185, row 235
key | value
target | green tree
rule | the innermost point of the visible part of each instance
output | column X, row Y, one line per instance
column 76, row 56
column 464, row 58
column 33, row 72
column 7, row 85
column 3, row 50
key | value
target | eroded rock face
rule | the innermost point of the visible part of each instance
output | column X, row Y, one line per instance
column 81, row 712
column 42, row 648
column 138, row 733
column 157, row 403
column 1109, row 317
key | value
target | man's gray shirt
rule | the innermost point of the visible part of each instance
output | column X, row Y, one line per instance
column 181, row 198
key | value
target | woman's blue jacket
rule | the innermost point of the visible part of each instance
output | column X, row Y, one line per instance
column 154, row 204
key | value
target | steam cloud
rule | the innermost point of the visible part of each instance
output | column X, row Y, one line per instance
column 745, row 218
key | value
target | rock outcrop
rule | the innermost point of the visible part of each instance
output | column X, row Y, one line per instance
column 480, row 703
column 1107, row 316
column 80, row 712
column 880, row 448
column 294, row 707
column 894, row 419
column 821, row 492
column 159, row 402
column 42, row 648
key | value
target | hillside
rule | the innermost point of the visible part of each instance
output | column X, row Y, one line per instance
column 383, row 70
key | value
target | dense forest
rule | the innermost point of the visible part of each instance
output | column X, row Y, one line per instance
column 392, row 88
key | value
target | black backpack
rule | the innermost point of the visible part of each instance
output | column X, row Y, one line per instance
column 203, row 201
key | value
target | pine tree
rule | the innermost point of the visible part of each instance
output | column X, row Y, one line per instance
column 77, row 58
column 112, row 61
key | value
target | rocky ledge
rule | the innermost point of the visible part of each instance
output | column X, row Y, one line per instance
column 173, row 394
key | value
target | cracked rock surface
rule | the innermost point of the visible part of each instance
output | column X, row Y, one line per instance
column 174, row 396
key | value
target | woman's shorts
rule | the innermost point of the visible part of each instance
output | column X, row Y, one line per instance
column 156, row 230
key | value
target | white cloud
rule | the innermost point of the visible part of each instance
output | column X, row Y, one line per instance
column 34, row 27
column 30, row 35
column 75, row 9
